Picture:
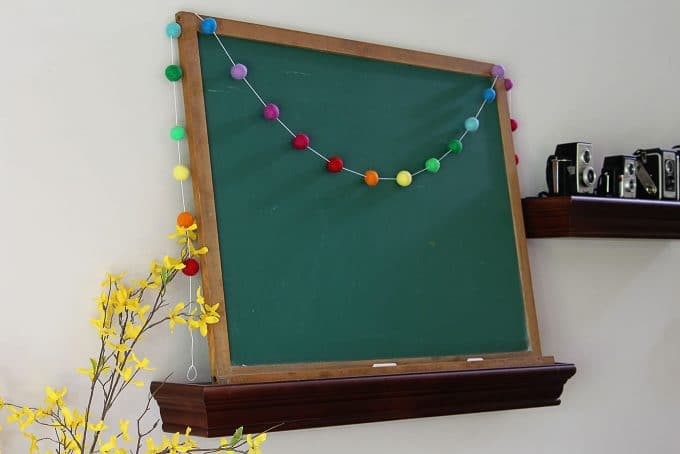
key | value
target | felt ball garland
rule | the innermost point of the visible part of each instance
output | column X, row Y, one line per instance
column 335, row 164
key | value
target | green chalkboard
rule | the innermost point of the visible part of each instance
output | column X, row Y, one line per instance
column 319, row 267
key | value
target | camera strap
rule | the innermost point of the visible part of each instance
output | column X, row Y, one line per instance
column 645, row 178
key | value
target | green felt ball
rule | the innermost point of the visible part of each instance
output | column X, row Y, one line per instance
column 177, row 133
column 456, row 146
column 173, row 73
column 432, row 165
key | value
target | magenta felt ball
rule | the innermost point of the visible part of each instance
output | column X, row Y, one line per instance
column 497, row 71
column 238, row 71
column 513, row 125
column 300, row 141
column 271, row 112
column 508, row 84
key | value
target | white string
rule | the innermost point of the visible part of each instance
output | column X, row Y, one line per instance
column 318, row 154
column 192, row 372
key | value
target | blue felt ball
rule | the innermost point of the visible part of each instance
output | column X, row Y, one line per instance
column 173, row 30
column 471, row 124
column 489, row 94
column 208, row 26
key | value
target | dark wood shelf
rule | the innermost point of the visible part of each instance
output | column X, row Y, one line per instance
column 578, row 216
column 217, row 410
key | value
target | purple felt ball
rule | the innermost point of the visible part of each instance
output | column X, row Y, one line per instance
column 508, row 84
column 271, row 112
column 497, row 71
column 239, row 71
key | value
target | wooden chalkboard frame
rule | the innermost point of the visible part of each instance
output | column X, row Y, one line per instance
column 222, row 370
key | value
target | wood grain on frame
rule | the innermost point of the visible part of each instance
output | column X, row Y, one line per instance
column 221, row 369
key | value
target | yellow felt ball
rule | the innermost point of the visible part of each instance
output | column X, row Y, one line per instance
column 180, row 172
column 404, row 178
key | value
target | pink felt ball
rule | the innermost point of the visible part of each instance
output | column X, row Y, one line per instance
column 300, row 141
column 271, row 112
column 497, row 71
column 238, row 71
column 508, row 84
column 513, row 125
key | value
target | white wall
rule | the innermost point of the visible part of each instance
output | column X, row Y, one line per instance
column 86, row 188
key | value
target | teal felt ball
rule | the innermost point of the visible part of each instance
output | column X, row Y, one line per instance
column 456, row 146
column 177, row 133
column 173, row 30
column 173, row 73
column 471, row 124
column 432, row 165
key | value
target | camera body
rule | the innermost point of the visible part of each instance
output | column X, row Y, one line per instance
column 657, row 170
column 618, row 177
column 570, row 171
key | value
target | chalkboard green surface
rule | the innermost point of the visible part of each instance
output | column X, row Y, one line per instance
column 320, row 267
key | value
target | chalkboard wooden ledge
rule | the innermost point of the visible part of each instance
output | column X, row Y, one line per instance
column 217, row 410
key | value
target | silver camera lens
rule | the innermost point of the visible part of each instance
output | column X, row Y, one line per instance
column 586, row 156
column 630, row 169
column 588, row 176
column 669, row 167
column 630, row 185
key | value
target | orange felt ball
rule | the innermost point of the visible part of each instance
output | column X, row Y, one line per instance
column 371, row 177
column 185, row 219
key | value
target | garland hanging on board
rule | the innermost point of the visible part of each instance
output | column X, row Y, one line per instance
column 301, row 141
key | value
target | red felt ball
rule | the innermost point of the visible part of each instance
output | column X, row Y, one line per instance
column 300, row 141
column 334, row 164
column 508, row 84
column 513, row 124
column 516, row 159
column 191, row 267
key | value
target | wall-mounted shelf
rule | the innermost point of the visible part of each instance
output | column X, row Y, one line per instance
column 578, row 216
column 217, row 410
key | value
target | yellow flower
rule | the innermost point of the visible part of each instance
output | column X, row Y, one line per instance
column 34, row 443
column 118, row 348
column 111, row 278
column 151, row 447
column 92, row 370
column 199, row 296
column 254, row 443
column 72, row 418
column 124, row 425
column 108, row 447
column 196, row 252
column 2, row 403
column 171, row 263
column 131, row 331
column 54, row 398
column 97, row 427
column 182, row 233
column 24, row 417
column 143, row 364
column 208, row 317
column 102, row 327
column 127, row 375
column 175, row 316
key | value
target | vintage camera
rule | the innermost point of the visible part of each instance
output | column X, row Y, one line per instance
column 618, row 177
column 570, row 170
column 657, row 170
column 657, row 174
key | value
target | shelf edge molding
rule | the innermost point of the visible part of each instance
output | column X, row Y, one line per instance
column 580, row 216
column 217, row 410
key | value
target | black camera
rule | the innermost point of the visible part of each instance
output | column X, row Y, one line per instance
column 570, row 171
column 657, row 170
column 618, row 177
